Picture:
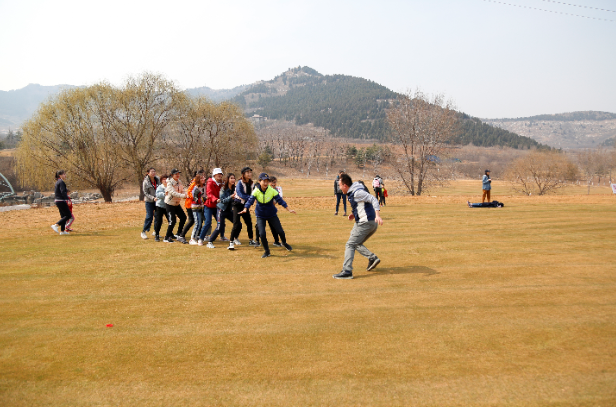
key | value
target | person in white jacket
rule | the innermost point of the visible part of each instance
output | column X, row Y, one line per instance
column 174, row 193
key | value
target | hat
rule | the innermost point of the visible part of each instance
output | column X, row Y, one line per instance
column 263, row 176
column 487, row 170
column 217, row 171
column 175, row 171
column 246, row 169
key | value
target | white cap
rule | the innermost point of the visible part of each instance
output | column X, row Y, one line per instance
column 217, row 171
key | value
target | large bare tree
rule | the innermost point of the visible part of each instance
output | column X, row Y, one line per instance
column 145, row 105
column 420, row 126
column 205, row 135
column 72, row 132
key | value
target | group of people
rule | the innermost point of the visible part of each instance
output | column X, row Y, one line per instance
column 220, row 197
column 226, row 198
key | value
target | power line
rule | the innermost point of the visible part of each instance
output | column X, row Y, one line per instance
column 547, row 11
column 575, row 5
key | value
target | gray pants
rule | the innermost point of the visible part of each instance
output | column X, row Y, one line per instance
column 359, row 234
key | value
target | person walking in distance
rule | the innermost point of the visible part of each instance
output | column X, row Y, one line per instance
column 339, row 194
column 174, row 193
column 266, row 211
column 161, row 208
column 487, row 186
column 150, row 183
column 366, row 213
column 61, row 198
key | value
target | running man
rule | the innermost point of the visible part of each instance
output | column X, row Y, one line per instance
column 366, row 213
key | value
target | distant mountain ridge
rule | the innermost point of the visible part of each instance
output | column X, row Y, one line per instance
column 565, row 117
column 347, row 106
column 351, row 107
column 586, row 129
column 18, row 105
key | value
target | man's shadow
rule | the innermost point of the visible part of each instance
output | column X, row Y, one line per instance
column 399, row 270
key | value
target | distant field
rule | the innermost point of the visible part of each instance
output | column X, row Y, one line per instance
column 469, row 307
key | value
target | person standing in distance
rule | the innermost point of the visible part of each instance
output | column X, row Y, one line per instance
column 339, row 194
column 487, row 186
column 366, row 213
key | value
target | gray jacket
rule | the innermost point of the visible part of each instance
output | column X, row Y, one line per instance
column 149, row 190
column 486, row 183
column 160, row 194
column 337, row 189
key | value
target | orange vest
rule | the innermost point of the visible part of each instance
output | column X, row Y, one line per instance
column 189, row 197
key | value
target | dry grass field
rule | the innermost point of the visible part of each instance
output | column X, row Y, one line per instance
column 469, row 307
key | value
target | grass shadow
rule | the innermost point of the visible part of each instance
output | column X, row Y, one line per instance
column 400, row 270
column 312, row 252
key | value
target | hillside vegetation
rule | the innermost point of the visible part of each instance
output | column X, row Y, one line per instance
column 351, row 107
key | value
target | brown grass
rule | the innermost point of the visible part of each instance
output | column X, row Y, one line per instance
column 481, row 307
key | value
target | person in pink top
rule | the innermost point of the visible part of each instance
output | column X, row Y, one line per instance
column 212, row 193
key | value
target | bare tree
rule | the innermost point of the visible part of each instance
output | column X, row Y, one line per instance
column 72, row 132
column 540, row 172
column 144, row 107
column 420, row 126
column 593, row 163
column 206, row 135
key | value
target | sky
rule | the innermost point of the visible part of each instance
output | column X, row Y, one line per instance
column 494, row 59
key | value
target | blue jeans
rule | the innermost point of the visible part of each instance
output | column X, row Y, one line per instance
column 344, row 198
column 150, row 207
column 198, row 215
column 208, row 213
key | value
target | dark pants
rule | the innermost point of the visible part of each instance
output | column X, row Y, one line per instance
column 338, row 197
column 189, row 224
column 220, row 223
column 150, row 207
column 237, row 222
column 174, row 211
column 378, row 193
column 158, row 219
column 275, row 225
column 65, row 213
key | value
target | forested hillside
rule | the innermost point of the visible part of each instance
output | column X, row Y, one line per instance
column 347, row 106
column 474, row 131
column 350, row 107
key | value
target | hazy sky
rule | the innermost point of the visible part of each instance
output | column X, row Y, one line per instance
column 494, row 60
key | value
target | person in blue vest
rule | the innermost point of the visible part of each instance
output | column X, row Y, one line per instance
column 366, row 213
column 266, row 211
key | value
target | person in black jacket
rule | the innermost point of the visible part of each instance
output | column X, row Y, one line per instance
column 339, row 194
column 61, row 198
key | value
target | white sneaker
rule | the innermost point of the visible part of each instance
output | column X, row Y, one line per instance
column 231, row 246
column 55, row 228
column 64, row 233
column 193, row 242
column 200, row 242
column 154, row 233
column 237, row 242
column 210, row 245
column 143, row 235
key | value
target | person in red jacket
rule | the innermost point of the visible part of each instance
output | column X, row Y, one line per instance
column 212, row 193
